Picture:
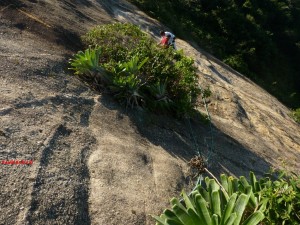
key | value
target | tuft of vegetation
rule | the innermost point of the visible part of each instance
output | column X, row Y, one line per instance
column 129, row 64
column 296, row 115
column 283, row 196
column 212, row 205
column 259, row 38
column 237, row 201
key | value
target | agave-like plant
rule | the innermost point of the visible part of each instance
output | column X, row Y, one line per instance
column 127, row 81
column 133, row 66
column 86, row 65
column 158, row 98
column 127, row 88
column 85, row 62
column 212, row 205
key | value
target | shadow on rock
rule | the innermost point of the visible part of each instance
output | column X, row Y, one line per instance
column 188, row 137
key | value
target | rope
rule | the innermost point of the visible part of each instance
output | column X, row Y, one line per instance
column 210, row 146
column 195, row 141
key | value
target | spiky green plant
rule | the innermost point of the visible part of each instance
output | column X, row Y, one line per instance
column 87, row 67
column 127, row 82
column 210, row 206
column 158, row 99
column 86, row 62
column 126, row 88
column 133, row 66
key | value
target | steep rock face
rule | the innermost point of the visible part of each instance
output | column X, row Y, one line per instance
column 93, row 161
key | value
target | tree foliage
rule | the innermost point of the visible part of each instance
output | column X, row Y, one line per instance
column 259, row 38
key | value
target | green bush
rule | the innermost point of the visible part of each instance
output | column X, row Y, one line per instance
column 140, row 72
column 278, row 199
column 296, row 115
column 282, row 199
column 118, row 41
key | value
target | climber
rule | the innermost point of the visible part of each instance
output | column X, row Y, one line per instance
column 164, row 42
column 171, row 38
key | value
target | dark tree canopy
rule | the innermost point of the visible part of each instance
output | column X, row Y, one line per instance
column 259, row 38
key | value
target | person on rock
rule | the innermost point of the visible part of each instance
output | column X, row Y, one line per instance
column 171, row 38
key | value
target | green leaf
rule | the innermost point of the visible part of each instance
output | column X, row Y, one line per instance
column 254, row 219
column 175, row 201
column 182, row 215
column 159, row 220
column 213, row 185
column 143, row 62
column 240, row 207
column 230, row 190
column 215, row 219
column 195, row 217
column 228, row 209
column 204, row 193
column 216, row 203
column 253, row 181
column 231, row 219
column 235, row 185
column 207, row 180
column 263, row 204
column 224, row 181
column 169, row 214
column 244, row 181
column 203, row 211
column 225, row 189
column 173, row 222
column 188, row 201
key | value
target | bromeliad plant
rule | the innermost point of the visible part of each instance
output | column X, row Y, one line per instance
column 239, row 201
column 85, row 63
column 87, row 67
column 211, row 205
column 133, row 66
column 126, row 88
column 158, row 99
column 127, row 81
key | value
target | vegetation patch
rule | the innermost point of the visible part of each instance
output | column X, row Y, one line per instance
column 296, row 115
column 238, row 201
column 124, row 61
